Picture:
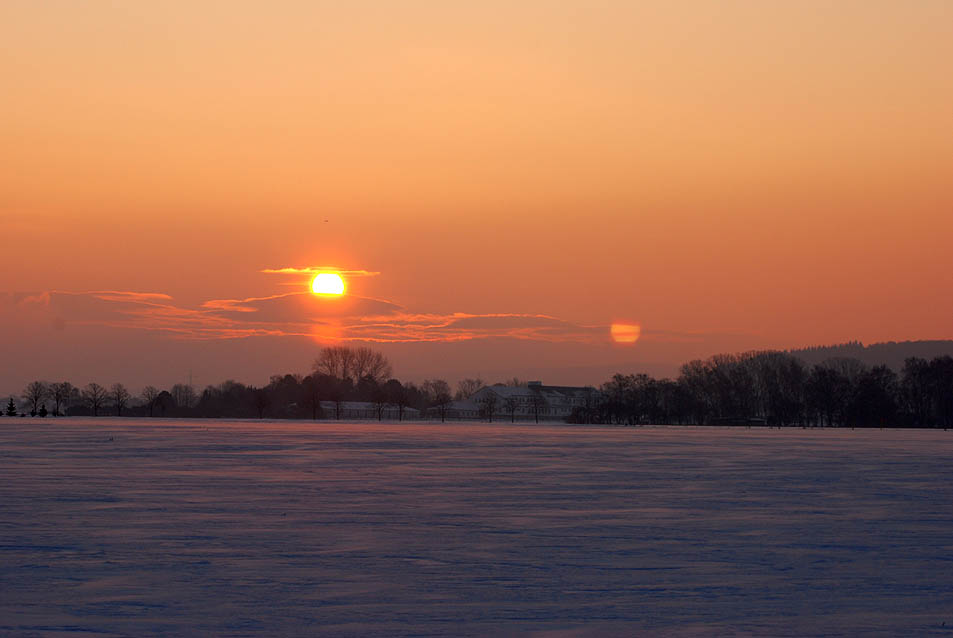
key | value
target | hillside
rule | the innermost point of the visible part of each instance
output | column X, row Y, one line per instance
column 890, row 353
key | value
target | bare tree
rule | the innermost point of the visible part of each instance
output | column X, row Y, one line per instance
column 399, row 396
column 342, row 362
column 346, row 359
column 62, row 394
column 851, row 369
column 120, row 397
column 381, row 400
column 34, row 394
column 312, row 393
column 95, row 397
column 184, row 394
column 150, row 394
column 335, row 361
column 590, row 399
column 488, row 404
column 438, row 396
column 262, row 401
column 516, row 382
column 538, row 403
column 511, row 405
column 327, row 363
column 467, row 387
column 332, row 389
column 360, row 363
column 370, row 363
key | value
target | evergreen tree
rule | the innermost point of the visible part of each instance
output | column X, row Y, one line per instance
column 11, row 408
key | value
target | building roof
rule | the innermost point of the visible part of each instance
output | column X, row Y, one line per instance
column 548, row 391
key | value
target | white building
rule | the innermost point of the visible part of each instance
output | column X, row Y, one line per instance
column 547, row 402
column 366, row 411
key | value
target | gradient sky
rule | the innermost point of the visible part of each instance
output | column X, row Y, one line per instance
column 729, row 175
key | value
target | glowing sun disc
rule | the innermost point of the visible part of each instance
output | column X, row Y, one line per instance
column 625, row 332
column 327, row 283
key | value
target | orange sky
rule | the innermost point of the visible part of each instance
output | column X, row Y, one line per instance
column 729, row 175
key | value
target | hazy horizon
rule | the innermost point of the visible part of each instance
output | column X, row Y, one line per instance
column 891, row 354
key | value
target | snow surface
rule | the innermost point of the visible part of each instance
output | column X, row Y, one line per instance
column 114, row 527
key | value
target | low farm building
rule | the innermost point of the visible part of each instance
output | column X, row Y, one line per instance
column 366, row 410
column 549, row 402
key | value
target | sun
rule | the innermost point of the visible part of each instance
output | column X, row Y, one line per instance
column 327, row 283
column 625, row 333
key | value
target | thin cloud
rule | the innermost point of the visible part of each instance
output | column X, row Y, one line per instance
column 314, row 270
column 348, row 318
column 301, row 314
column 407, row 328
column 297, row 307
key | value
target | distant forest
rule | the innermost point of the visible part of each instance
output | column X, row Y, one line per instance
column 892, row 354
column 815, row 387
column 780, row 389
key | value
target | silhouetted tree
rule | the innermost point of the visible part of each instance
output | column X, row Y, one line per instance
column 538, row 404
column 381, row 399
column 399, row 396
column 34, row 394
column 261, row 401
column 437, row 392
column 941, row 390
column 184, row 395
column 589, row 406
column 510, row 406
column 616, row 392
column 915, row 395
column 779, row 381
column 311, row 389
column 369, row 363
column 43, row 411
column 875, row 399
column 120, row 397
column 337, row 394
column 164, row 402
column 365, row 389
column 335, row 361
column 11, row 408
column 466, row 388
column 352, row 364
column 62, row 394
column 488, row 402
column 827, row 393
column 285, row 394
column 852, row 369
column 694, row 378
column 228, row 399
column 94, row 395
column 414, row 397
column 150, row 395
column 760, row 386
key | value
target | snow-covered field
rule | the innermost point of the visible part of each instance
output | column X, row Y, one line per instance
column 116, row 527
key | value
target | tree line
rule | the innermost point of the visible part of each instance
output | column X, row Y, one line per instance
column 779, row 389
column 753, row 388
column 339, row 374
